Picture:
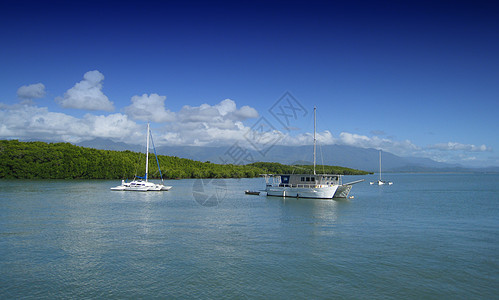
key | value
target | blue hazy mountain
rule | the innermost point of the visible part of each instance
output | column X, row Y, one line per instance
column 338, row 155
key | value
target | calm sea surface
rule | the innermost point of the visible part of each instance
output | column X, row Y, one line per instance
column 428, row 236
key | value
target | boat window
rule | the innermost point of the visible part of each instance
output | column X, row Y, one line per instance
column 308, row 178
column 313, row 178
column 303, row 179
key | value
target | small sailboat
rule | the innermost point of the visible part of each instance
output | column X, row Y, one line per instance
column 142, row 184
column 379, row 181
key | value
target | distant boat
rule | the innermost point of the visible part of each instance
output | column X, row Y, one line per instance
column 317, row 186
column 379, row 181
column 248, row 192
column 142, row 184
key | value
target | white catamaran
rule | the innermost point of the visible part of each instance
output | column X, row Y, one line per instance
column 317, row 186
column 142, row 184
column 379, row 181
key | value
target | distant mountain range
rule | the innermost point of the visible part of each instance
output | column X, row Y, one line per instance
column 336, row 155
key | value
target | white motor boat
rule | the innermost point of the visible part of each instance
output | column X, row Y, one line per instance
column 317, row 186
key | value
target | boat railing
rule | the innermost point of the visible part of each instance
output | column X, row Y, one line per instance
column 299, row 185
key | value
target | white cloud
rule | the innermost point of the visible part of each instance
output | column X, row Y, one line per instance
column 211, row 125
column 323, row 138
column 87, row 94
column 228, row 109
column 32, row 91
column 203, row 125
column 219, row 124
column 246, row 112
column 402, row 148
column 203, row 113
column 31, row 122
column 225, row 107
column 149, row 108
column 24, row 121
column 453, row 146
column 114, row 126
column 221, row 114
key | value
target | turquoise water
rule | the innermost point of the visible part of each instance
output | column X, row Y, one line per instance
column 426, row 236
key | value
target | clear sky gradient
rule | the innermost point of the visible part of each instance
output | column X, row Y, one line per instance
column 414, row 78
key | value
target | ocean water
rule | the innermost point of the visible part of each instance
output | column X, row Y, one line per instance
column 428, row 236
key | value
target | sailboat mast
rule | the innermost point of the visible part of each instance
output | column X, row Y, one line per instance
column 380, row 165
column 147, row 150
column 315, row 140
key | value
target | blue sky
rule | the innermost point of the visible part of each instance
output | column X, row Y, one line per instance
column 413, row 78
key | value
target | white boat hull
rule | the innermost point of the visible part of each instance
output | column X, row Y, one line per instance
column 380, row 182
column 118, row 188
column 141, row 186
column 297, row 192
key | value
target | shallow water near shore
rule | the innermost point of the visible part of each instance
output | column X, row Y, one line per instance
column 425, row 236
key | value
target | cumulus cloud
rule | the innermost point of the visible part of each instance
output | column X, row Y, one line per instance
column 228, row 109
column 223, row 115
column 217, row 115
column 245, row 112
column 149, row 108
column 87, row 94
column 24, row 121
column 115, row 126
column 218, row 124
column 453, row 146
column 32, row 91
column 32, row 122
column 225, row 107
column 206, row 124
column 323, row 138
column 203, row 113
column 403, row 148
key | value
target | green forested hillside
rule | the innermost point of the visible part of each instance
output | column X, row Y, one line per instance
column 276, row 168
column 30, row 160
column 66, row 161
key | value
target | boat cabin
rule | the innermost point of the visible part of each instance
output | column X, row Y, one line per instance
column 301, row 180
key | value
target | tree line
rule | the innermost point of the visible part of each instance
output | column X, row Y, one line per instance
column 277, row 168
column 40, row 160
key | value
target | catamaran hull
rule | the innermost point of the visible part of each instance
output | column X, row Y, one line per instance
column 118, row 188
column 312, row 193
column 142, row 188
column 137, row 189
column 149, row 188
column 379, row 182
